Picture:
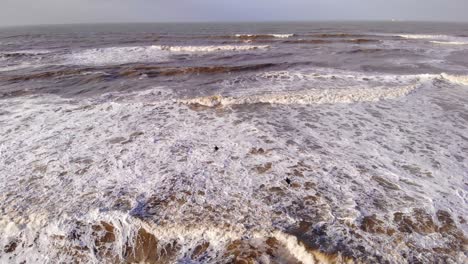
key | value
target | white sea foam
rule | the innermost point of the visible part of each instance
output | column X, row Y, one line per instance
column 421, row 36
column 456, row 79
column 438, row 39
column 151, row 164
column 272, row 35
column 285, row 87
column 155, row 53
column 196, row 49
column 24, row 65
column 297, row 83
column 310, row 96
column 450, row 42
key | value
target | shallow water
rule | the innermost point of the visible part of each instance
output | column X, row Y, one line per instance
column 265, row 143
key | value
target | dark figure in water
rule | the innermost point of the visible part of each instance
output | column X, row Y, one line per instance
column 288, row 181
column 216, row 148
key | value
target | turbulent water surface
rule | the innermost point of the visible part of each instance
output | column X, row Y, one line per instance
column 245, row 143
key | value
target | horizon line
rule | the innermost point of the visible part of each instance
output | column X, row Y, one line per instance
column 232, row 22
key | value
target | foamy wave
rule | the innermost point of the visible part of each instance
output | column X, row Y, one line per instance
column 155, row 53
column 322, row 96
column 162, row 174
column 211, row 48
column 118, row 55
column 456, row 79
column 421, row 36
column 449, row 42
column 438, row 39
column 21, row 66
column 126, row 238
column 268, row 35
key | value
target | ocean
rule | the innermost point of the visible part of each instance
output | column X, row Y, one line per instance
column 234, row 143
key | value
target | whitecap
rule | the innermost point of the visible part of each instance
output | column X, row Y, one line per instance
column 154, row 53
column 450, row 42
column 196, row 49
column 455, row 79
column 437, row 39
column 311, row 96
column 270, row 35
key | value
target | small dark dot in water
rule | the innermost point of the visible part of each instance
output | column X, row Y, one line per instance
column 216, row 148
column 288, row 181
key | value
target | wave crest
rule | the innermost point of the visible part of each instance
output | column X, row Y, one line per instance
column 313, row 96
column 450, row 42
column 116, row 237
column 155, row 53
column 211, row 48
column 254, row 36
column 456, row 79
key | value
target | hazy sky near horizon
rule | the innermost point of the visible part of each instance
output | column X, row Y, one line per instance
column 25, row 12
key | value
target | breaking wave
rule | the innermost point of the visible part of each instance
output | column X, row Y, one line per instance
column 438, row 39
column 253, row 36
column 456, row 79
column 155, row 53
column 331, row 41
column 421, row 36
column 116, row 237
column 338, row 35
column 211, row 48
column 449, row 42
column 312, row 96
column 328, row 89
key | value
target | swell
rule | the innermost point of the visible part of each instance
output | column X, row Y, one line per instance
column 160, row 71
column 99, row 74
column 373, row 51
column 63, row 73
column 21, row 54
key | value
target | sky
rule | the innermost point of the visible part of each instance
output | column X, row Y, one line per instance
column 34, row 12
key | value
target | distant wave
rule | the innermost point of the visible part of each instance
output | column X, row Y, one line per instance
column 372, row 51
column 133, row 71
column 17, row 67
column 449, row 42
column 438, row 39
column 211, row 48
column 23, row 53
column 250, row 36
column 330, row 41
column 421, row 36
column 338, row 35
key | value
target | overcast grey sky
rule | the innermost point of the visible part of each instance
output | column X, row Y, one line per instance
column 19, row 12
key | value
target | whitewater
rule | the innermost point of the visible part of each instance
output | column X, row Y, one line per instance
column 274, row 143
